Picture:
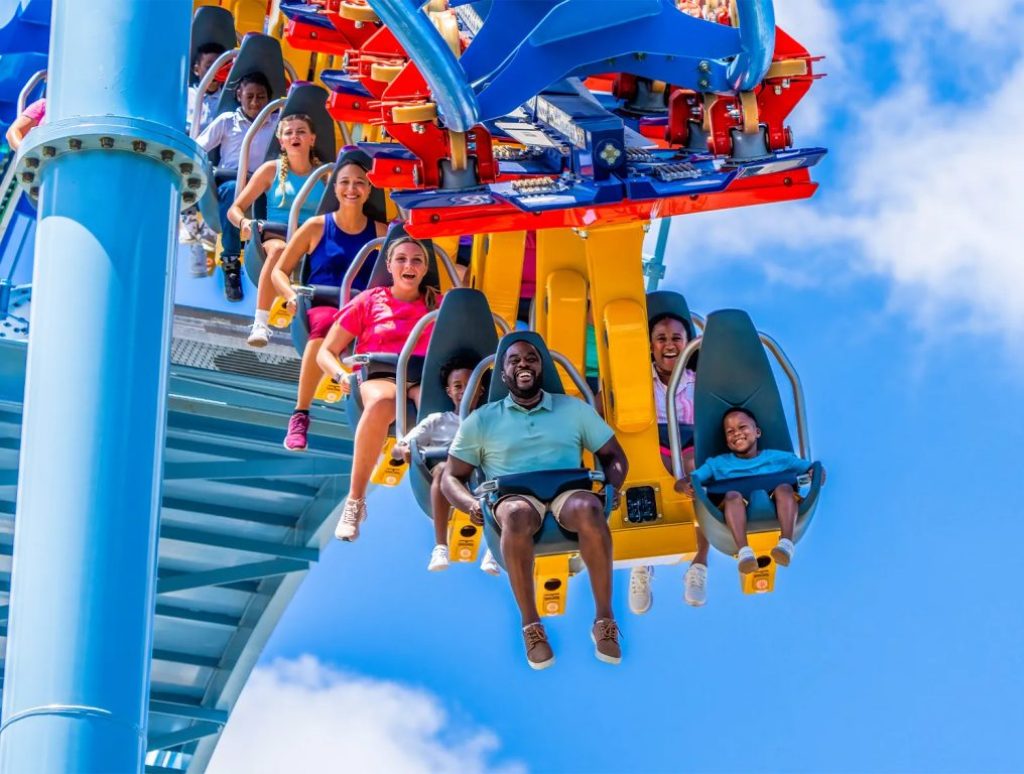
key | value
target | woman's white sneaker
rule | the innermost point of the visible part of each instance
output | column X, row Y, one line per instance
column 352, row 515
column 438, row 559
column 640, row 595
column 695, row 583
column 259, row 335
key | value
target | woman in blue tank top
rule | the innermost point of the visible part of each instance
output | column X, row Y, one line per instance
column 331, row 241
column 280, row 180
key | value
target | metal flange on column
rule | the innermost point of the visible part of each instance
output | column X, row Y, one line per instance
column 170, row 147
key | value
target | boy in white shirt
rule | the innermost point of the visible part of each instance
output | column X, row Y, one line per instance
column 437, row 431
column 226, row 132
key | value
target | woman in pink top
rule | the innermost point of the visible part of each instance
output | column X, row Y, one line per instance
column 669, row 337
column 379, row 320
column 25, row 123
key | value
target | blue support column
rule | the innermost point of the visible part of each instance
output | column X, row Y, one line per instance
column 82, row 599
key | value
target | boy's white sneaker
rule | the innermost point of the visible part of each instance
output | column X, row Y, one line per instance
column 747, row 560
column 489, row 564
column 640, row 595
column 438, row 559
column 695, row 582
column 783, row 552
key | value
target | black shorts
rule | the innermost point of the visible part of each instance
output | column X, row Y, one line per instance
column 413, row 374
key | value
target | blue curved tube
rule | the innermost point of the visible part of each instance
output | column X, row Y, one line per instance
column 757, row 44
column 456, row 102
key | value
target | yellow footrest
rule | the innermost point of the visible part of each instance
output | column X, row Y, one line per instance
column 279, row 315
column 761, row 580
column 463, row 538
column 387, row 473
column 551, row 582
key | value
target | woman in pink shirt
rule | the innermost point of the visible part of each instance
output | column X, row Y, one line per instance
column 379, row 320
column 25, row 123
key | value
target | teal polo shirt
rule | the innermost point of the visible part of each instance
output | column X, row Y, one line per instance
column 503, row 438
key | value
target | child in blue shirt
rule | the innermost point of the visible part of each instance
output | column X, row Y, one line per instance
column 741, row 434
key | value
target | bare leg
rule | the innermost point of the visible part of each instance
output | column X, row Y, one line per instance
column 785, row 509
column 309, row 375
column 378, row 413
column 439, row 506
column 735, row 511
column 702, row 542
column 265, row 290
column 519, row 522
column 583, row 514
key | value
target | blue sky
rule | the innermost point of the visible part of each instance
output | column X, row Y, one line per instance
column 893, row 642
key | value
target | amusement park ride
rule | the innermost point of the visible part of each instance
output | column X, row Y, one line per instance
column 584, row 122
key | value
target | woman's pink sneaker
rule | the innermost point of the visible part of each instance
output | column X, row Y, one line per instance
column 298, row 428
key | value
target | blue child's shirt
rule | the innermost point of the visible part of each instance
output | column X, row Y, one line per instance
column 768, row 462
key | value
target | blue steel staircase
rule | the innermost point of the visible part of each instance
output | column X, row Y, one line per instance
column 242, row 520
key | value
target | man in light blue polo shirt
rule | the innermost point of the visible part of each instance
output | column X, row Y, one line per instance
column 532, row 430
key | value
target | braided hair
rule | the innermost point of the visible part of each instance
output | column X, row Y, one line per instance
column 283, row 166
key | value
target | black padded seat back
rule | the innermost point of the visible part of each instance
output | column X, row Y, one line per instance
column 376, row 206
column 311, row 100
column 211, row 24
column 550, row 380
column 661, row 302
column 380, row 276
column 735, row 372
column 256, row 53
column 464, row 328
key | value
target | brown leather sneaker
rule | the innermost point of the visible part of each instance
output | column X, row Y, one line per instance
column 605, row 636
column 538, row 652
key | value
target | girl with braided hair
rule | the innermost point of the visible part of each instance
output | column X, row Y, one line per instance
column 280, row 180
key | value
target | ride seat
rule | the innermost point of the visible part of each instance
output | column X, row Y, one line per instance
column 661, row 302
column 735, row 373
column 464, row 328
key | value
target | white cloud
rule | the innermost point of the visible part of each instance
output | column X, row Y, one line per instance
column 928, row 193
column 304, row 716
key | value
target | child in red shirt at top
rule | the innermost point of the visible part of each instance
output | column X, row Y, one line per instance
column 379, row 320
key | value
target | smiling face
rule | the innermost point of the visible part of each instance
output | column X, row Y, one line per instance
column 668, row 339
column 352, row 187
column 253, row 98
column 741, row 434
column 296, row 137
column 521, row 370
column 407, row 264
column 456, row 387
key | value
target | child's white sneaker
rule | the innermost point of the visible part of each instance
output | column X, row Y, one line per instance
column 747, row 560
column 489, row 564
column 783, row 552
column 438, row 559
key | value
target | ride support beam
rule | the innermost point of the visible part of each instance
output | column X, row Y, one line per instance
column 108, row 169
column 619, row 308
column 560, row 308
